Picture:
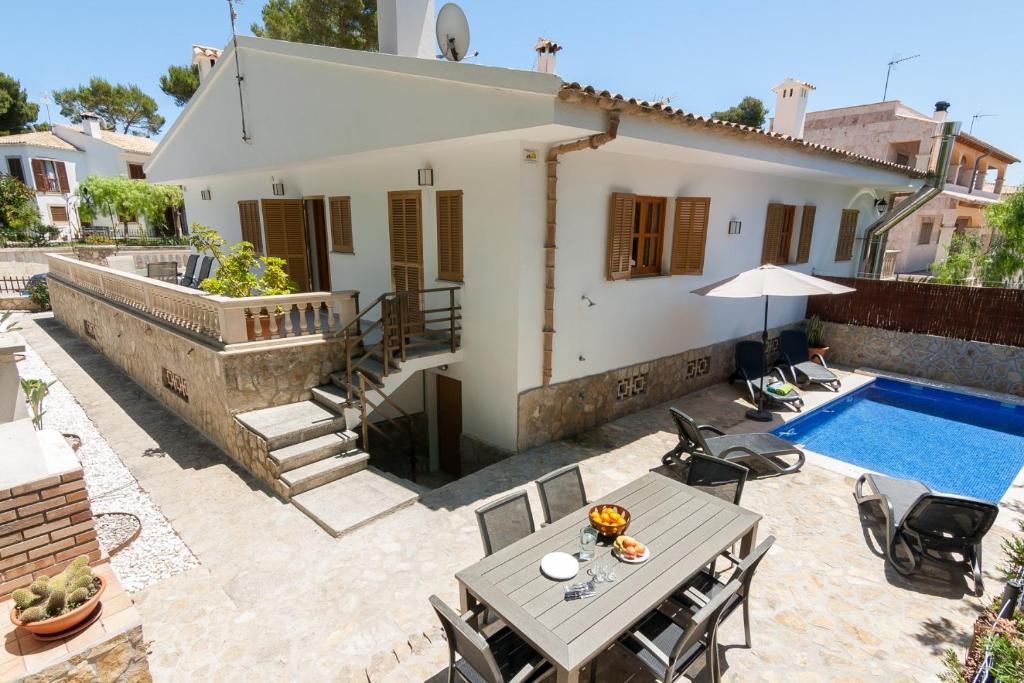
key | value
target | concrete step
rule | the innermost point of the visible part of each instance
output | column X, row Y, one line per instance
column 356, row 500
column 292, row 423
column 307, row 452
column 332, row 397
column 321, row 472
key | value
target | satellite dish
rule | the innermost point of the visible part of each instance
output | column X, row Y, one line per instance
column 452, row 33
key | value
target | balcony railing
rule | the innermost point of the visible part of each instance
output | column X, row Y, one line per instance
column 220, row 320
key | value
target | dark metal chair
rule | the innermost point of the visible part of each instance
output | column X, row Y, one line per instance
column 750, row 367
column 928, row 523
column 502, row 657
column 505, row 521
column 760, row 447
column 165, row 271
column 190, row 270
column 204, row 272
column 720, row 478
column 561, row 493
column 669, row 640
column 794, row 355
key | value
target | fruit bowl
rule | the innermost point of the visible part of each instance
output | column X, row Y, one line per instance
column 613, row 526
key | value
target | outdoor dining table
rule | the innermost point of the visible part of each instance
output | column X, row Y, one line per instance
column 684, row 529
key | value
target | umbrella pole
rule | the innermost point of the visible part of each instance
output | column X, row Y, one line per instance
column 760, row 414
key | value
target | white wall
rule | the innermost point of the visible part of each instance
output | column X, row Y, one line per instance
column 71, row 159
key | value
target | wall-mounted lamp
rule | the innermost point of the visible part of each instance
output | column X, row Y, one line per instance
column 735, row 227
column 277, row 186
column 443, row 368
column 881, row 205
column 590, row 302
column 206, row 194
column 425, row 177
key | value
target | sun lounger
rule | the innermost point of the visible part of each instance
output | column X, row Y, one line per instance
column 795, row 355
column 763, row 448
column 750, row 365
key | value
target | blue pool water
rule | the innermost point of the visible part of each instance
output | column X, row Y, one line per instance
column 952, row 442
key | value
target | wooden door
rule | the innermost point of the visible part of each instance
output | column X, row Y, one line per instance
column 317, row 210
column 449, row 425
column 284, row 228
column 405, row 223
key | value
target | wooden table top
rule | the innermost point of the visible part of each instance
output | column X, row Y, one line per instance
column 683, row 528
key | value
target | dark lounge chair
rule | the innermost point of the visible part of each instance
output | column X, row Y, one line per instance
column 749, row 368
column 204, row 272
column 190, row 270
column 795, row 355
column 927, row 523
column 763, row 448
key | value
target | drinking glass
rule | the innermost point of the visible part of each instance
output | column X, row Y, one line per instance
column 588, row 543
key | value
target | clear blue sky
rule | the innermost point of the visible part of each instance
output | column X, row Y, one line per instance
column 704, row 55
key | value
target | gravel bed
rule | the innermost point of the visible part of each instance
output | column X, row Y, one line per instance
column 158, row 552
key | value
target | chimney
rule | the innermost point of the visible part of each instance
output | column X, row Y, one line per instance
column 790, row 107
column 547, row 55
column 92, row 125
column 941, row 111
column 940, row 115
column 204, row 58
column 406, row 28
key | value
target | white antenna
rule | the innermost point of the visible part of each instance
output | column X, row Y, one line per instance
column 974, row 118
column 892, row 63
column 452, row 33
column 45, row 97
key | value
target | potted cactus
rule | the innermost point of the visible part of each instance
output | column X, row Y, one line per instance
column 814, row 328
column 57, row 604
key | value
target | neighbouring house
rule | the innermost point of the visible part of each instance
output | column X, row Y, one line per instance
column 895, row 132
column 53, row 162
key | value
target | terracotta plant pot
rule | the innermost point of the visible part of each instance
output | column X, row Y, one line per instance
column 821, row 350
column 65, row 621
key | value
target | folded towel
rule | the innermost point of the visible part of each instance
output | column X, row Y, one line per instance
column 780, row 388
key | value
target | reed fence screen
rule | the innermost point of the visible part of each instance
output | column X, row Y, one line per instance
column 974, row 313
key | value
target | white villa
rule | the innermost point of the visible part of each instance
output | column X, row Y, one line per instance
column 384, row 172
column 52, row 163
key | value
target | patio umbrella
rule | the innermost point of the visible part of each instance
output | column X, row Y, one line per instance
column 769, row 281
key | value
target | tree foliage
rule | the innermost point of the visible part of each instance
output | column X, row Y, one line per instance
column 180, row 83
column 16, row 112
column 749, row 112
column 962, row 262
column 119, row 106
column 122, row 198
column 1005, row 264
column 18, row 210
column 240, row 272
column 338, row 23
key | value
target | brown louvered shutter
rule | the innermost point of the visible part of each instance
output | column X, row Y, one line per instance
column 691, row 231
column 59, row 214
column 285, row 231
column 773, row 226
column 620, row 234
column 249, row 219
column 406, row 236
column 847, row 233
column 38, row 176
column 341, row 224
column 803, row 247
column 62, row 177
column 449, row 235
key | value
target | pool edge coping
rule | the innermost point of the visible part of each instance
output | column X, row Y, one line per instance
column 944, row 386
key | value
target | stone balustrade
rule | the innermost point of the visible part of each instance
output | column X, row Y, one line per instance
column 219, row 319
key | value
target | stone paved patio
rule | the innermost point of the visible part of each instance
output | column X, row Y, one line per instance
column 275, row 598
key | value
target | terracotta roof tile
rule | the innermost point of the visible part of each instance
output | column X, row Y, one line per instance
column 37, row 139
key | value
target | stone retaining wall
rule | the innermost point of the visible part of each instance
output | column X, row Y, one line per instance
column 968, row 363
column 122, row 659
column 31, row 260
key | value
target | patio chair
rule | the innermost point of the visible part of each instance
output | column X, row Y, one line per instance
column 561, row 493
column 928, row 523
column 705, row 586
column 505, row 521
column 502, row 657
column 669, row 640
column 190, row 270
column 795, row 355
column 763, row 448
column 750, row 367
column 204, row 272
column 720, row 478
column 165, row 271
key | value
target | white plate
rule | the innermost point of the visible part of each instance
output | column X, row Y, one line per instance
column 642, row 558
column 559, row 566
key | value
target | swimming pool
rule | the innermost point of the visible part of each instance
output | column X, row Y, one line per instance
column 952, row 442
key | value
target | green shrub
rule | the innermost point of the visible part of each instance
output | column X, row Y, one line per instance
column 815, row 331
column 39, row 293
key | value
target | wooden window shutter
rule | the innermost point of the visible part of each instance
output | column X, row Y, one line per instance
column 691, row 232
column 341, row 225
column 847, row 233
column 59, row 214
column 803, row 247
column 38, row 176
column 405, row 228
column 62, row 177
column 249, row 219
column 285, row 229
column 449, row 235
column 773, row 225
column 620, row 235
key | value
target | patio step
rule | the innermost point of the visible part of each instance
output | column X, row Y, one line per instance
column 332, row 397
column 292, row 423
column 370, row 366
column 307, row 452
column 324, row 471
column 356, row 500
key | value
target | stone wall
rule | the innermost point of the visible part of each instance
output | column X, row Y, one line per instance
column 573, row 407
column 31, row 260
column 204, row 385
column 122, row 659
column 968, row 363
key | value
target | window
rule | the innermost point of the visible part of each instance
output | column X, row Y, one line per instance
column 690, row 235
column 249, row 219
column 902, row 159
column 15, row 169
column 58, row 214
column 135, row 171
column 449, row 235
column 778, row 233
column 50, row 176
column 847, row 233
column 341, row 225
column 925, row 235
column 803, row 247
column 636, row 232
